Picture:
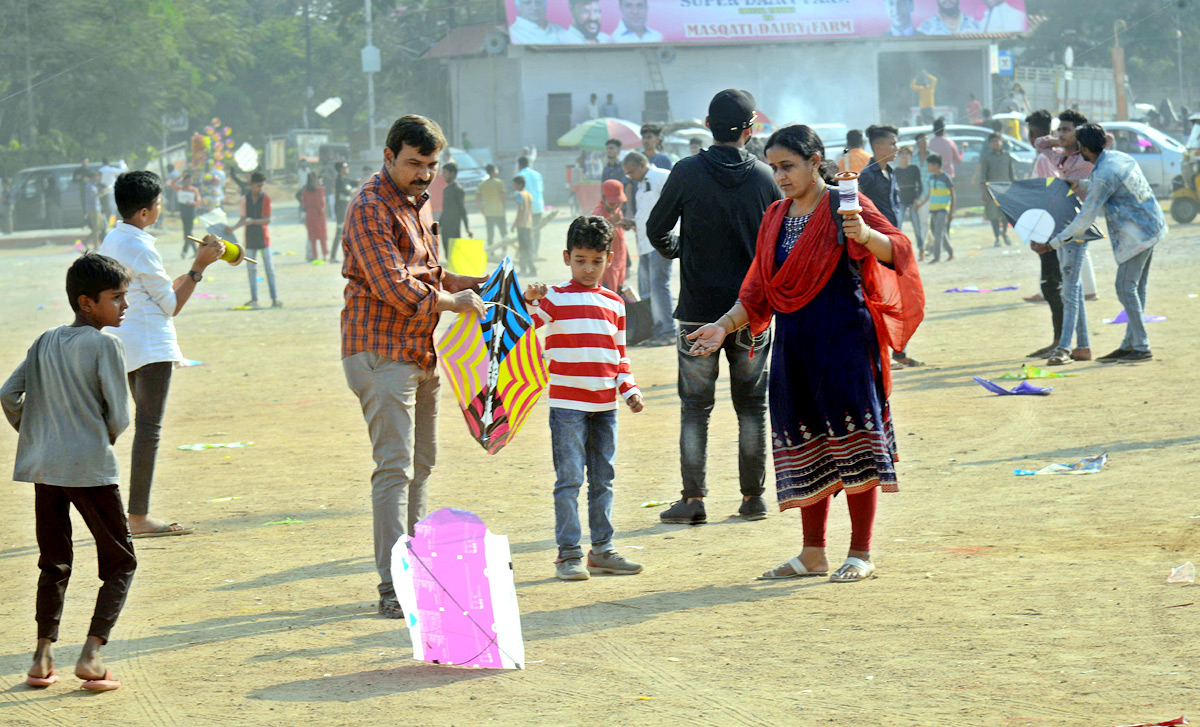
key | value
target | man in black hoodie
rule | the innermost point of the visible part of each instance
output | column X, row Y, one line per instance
column 718, row 196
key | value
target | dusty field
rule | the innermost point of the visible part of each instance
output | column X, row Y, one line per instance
column 1000, row 600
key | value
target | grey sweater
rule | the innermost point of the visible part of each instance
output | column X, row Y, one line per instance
column 69, row 401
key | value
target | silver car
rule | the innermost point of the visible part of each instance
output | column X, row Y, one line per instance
column 1159, row 156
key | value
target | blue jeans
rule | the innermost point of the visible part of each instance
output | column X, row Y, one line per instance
column 907, row 210
column 263, row 256
column 939, row 223
column 654, row 282
column 697, row 392
column 1070, row 259
column 583, row 440
column 1131, row 291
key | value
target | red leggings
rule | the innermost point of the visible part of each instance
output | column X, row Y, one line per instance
column 862, row 520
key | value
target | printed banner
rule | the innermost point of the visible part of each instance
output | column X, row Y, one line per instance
column 599, row 22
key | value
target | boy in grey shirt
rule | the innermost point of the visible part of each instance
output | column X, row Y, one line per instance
column 69, row 402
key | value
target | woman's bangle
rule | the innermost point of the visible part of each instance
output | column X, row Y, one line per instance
column 732, row 327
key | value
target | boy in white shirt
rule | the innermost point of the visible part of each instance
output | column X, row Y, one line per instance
column 151, row 348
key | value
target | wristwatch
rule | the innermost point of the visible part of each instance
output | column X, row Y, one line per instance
column 195, row 276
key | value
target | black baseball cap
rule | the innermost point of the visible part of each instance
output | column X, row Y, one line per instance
column 731, row 110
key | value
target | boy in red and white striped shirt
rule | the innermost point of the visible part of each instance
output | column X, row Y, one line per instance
column 585, row 344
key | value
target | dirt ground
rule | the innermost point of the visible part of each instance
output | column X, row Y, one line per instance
column 999, row 601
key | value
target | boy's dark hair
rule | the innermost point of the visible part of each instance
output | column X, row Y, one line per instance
column 1091, row 137
column 450, row 168
column 92, row 274
column 1073, row 116
column 135, row 191
column 854, row 139
column 519, row 181
column 654, row 129
column 1040, row 119
column 905, row 150
column 877, row 132
column 490, row 169
column 933, row 159
column 939, row 126
column 257, row 177
column 920, row 135
column 522, row 162
column 590, row 233
column 420, row 133
column 696, row 140
column 994, row 135
column 614, row 142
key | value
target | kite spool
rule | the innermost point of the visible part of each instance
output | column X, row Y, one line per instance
column 847, row 186
column 234, row 253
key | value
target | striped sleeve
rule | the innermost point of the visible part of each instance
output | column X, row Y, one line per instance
column 625, row 383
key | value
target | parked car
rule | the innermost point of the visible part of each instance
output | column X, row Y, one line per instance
column 46, row 198
column 470, row 171
column 971, row 146
column 1160, row 156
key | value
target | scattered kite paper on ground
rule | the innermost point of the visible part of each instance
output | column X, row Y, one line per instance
column 975, row 289
column 1123, row 317
column 1085, row 466
column 1022, row 388
column 494, row 363
column 214, row 445
column 1185, row 573
column 1028, row 371
column 454, row 580
column 1168, row 723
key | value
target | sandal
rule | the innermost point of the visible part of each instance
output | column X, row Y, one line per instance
column 854, row 569
column 1061, row 357
column 798, row 571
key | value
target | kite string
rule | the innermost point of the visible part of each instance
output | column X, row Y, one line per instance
column 492, row 638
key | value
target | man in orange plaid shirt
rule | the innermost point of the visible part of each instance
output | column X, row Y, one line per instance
column 396, row 289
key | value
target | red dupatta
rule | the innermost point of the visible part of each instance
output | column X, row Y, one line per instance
column 894, row 295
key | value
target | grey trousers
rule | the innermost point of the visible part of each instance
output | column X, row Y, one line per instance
column 400, row 403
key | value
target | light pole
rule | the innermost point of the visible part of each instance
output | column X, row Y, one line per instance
column 308, row 89
column 370, row 66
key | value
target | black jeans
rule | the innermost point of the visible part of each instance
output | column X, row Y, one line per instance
column 149, row 386
column 101, row 510
column 697, row 392
column 1052, row 289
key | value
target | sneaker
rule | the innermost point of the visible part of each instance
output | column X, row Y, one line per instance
column 1135, row 357
column 667, row 340
column 389, row 607
column 685, row 513
column 1115, row 356
column 252, row 303
column 276, row 303
column 753, row 509
column 1043, row 352
column 612, row 562
column 1092, row 296
column 570, row 569
column 1036, row 298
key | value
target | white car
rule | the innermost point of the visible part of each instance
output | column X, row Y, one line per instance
column 1159, row 156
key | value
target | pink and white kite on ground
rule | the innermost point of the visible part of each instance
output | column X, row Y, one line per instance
column 454, row 580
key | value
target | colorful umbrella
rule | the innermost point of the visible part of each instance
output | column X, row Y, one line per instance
column 591, row 135
column 762, row 124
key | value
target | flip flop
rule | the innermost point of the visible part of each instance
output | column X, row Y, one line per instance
column 107, row 684
column 42, row 682
column 164, row 531
column 853, row 570
column 798, row 571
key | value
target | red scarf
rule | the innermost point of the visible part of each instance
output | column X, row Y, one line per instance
column 894, row 296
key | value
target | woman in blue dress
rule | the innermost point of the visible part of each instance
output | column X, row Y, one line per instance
column 840, row 299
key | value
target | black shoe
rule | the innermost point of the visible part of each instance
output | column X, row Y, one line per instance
column 1135, row 357
column 685, row 513
column 753, row 509
column 1115, row 356
column 389, row 607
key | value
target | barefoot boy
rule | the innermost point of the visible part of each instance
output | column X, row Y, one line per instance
column 69, row 402
column 585, row 344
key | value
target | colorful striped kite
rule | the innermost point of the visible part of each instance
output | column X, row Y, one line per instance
column 494, row 363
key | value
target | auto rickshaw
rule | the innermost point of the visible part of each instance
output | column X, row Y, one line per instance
column 1185, row 201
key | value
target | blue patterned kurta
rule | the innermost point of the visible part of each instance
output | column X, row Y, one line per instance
column 831, row 427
